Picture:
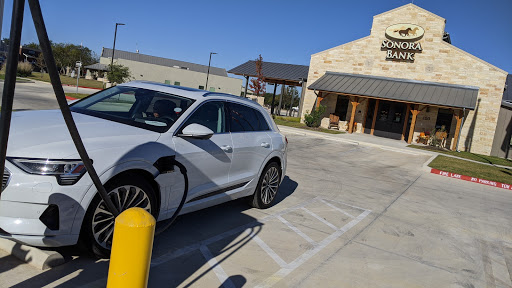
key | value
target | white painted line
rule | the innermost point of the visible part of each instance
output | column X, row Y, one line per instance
column 401, row 151
column 283, row 272
column 320, row 218
column 297, row 230
column 336, row 208
column 221, row 274
column 269, row 251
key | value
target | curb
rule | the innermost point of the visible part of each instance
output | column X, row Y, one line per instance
column 82, row 87
column 71, row 98
column 383, row 147
column 41, row 259
column 471, row 179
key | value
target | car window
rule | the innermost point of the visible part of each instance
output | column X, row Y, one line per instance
column 243, row 118
column 210, row 114
column 138, row 107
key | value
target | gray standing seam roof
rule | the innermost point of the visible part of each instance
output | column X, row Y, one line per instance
column 290, row 72
column 421, row 92
column 120, row 54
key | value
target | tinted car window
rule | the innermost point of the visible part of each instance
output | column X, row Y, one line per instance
column 134, row 106
column 243, row 118
column 211, row 115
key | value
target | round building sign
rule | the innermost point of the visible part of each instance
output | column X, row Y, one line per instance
column 401, row 45
column 404, row 32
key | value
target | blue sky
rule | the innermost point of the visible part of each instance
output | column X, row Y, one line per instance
column 281, row 31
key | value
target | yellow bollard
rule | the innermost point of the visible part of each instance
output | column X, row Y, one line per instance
column 131, row 249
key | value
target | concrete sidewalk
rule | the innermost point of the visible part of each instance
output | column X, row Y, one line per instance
column 375, row 141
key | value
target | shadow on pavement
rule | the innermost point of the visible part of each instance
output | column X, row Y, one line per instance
column 180, row 254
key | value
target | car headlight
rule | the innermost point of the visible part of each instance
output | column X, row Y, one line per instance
column 67, row 172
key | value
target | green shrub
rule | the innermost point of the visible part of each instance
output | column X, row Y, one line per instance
column 314, row 118
column 24, row 69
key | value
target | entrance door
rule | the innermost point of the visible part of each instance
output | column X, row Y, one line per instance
column 390, row 119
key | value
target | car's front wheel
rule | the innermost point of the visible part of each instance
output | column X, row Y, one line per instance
column 268, row 185
column 126, row 191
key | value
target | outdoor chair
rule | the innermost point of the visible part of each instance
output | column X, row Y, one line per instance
column 334, row 121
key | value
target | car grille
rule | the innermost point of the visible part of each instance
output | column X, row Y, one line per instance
column 5, row 179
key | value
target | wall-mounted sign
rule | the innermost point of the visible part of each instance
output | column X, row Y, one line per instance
column 401, row 45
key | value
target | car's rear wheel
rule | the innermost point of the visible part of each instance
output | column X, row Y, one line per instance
column 268, row 185
column 126, row 191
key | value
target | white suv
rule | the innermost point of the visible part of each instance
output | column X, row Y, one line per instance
column 229, row 145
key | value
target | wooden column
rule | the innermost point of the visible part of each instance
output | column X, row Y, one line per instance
column 458, row 116
column 319, row 99
column 415, row 113
column 375, row 111
column 406, row 119
column 354, row 103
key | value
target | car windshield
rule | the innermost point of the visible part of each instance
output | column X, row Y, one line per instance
column 148, row 109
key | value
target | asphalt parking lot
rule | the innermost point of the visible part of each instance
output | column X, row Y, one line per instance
column 347, row 216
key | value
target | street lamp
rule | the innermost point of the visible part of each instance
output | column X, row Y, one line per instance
column 208, row 74
column 114, row 47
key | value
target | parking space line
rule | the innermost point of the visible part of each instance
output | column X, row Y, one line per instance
column 269, row 251
column 336, row 208
column 296, row 230
column 320, row 218
column 221, row 274
column 284, row 271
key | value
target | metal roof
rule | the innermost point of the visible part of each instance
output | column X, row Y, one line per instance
column 405, row 90
column 273, row 71
column 97, row 66
column 120, row 54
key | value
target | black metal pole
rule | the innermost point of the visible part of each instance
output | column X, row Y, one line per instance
column 273, row 99
column 208, row 74
column 10, row 79
column 44, row 42
column 114, row 47
column 246, row 84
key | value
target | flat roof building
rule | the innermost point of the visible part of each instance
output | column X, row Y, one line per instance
column 405, row 80
column 175, row 72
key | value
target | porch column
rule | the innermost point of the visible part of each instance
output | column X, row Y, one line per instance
column 375, row 116
column 458, row 116
column 415, row 113
column 406, row 119
column 354, row 103
column 319, row 99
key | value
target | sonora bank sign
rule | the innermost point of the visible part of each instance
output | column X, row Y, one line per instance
column 401, row 45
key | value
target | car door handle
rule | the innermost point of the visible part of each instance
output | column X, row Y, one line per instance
column 226, row 148
column 265, row 145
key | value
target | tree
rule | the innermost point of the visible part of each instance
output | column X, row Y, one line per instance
column 40, row 63
column 5, row 41
column 32, row 45
column 258, row 84
column 118, row 73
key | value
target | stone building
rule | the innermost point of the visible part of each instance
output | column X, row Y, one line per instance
column 404, row 80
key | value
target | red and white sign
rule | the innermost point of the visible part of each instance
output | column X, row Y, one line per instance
column 472, row 179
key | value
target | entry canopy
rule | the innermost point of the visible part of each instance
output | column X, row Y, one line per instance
column 290, row 74
column 400, row 90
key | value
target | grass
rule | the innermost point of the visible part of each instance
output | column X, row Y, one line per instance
column 77, row 95
column 472, row 169
column 68, row 80
column 295, row 123
column 471, row 156
column 2, row 77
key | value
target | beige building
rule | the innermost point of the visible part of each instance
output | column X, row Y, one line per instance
column 174, row 72
column 404, row 80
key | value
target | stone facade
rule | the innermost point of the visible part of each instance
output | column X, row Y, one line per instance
column 438, row 62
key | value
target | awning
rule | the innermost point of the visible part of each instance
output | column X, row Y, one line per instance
column 290, row 74
column 402, row 90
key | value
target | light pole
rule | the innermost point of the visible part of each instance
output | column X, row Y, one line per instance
column 114, row 47
column 208, row 74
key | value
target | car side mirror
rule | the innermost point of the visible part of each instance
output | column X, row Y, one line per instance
column 197, row 131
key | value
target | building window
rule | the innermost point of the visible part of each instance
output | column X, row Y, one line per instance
column 177, row 83
column 201, row 87
column 212, row 89
column 168, row 82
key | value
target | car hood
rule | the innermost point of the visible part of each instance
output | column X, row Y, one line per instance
column 44, row 134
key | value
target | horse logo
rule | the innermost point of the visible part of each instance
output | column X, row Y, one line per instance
column 405, row 32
